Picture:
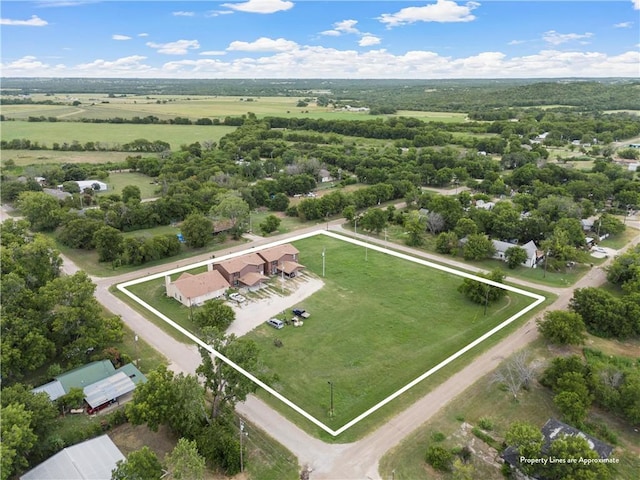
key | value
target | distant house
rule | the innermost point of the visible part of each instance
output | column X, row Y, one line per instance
column 191, row 289
column 101, row 382
column 534, row 255
column 91, row 459
column 244, row 271
column 281, row 259
column 551, row 431
column 324, row 176
column 92, row 184
column 59, row 194
column 485, row 205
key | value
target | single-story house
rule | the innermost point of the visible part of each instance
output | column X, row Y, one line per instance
column 91, row 459
column 95, row 185
column 243, row 271
column 534, row 255
column 324, row 175
column 59, row 194
column 101, row 382
column 281, row 258
column 191, row 289
column 485, row 205
column 551, row 431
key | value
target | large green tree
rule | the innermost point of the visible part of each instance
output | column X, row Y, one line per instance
column 197, row 230
column 477, row 247
column 140, row 464
column 526, row 439
column 184, row 462
column 108, row 242
column 43, row 211
column 17, row 439
column 562, row 327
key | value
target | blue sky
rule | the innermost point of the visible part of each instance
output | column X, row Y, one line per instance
column 320, row 39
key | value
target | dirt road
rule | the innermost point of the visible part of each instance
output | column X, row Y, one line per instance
column 358, row 460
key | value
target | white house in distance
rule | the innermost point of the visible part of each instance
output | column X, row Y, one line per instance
column 533, row 254
column 84, row 184
column 191, row 289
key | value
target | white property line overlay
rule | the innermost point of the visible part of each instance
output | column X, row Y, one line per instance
column 538, row 300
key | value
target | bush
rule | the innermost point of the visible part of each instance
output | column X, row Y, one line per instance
column 439, row 458
column 438, row 436
column 485, row 423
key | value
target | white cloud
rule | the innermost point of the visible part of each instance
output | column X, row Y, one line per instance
column 217, row 13
column 34, row 21
column 369, row 40
column 179, row 47
column 346, row 26
column 183, row 14
column 443, row 11
column 623, row 24
column 263, row 44
column 516, row 42
column 65, row 3
column 260, row 6
column 636, row 4
column 213, row 53
column 143, row 34
column 321, row 62
column 120, row 37
column 555, row 38
column 331, row 33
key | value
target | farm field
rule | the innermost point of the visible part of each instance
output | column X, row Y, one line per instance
column 377, row 324
column 193, row 106
column 23, row 158
column 48, row 133
column 118, row 180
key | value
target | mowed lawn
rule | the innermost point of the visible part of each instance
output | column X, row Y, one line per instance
column 48, row 133
column 376, row 325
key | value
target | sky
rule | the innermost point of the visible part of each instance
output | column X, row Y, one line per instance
column 435, row 39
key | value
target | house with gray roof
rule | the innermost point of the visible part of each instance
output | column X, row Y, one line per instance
column 90, row 460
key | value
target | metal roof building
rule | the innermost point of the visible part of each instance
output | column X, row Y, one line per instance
column 90, row 460
column 109, row 389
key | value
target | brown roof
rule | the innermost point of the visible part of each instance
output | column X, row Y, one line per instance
column 276, row 253
column 252, row 278
column 192, row 286
column 290, row 267
column 238, row 263
column 223, row 225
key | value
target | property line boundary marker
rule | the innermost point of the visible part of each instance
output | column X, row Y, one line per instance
column 122, row 287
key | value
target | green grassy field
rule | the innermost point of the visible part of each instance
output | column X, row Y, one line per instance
column 23, row 158
column 48, row 133
column 375, row 326
column 118, row 180
column 487, row 400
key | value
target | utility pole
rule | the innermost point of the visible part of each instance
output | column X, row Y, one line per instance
column 331, row 398
column 241, row 440
column 323, row 251
column 486, row 298
column 135, row 338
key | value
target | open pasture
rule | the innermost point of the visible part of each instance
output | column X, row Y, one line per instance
column 23, row 158
column 48, row 133
column 383, row 323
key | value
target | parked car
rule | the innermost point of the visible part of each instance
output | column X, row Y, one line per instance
column 301, row 312
column 236, row 297
column 275, row 323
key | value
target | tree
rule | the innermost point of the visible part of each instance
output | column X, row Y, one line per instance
column 477, row 247
column 435, row 222
column 465, row 227
column 605, row 315
column 515, row 256
column 39, row 405
column 576, row 448
column 41, row 210
column 17, row 439
column 414, row 227
column 185, row 462
column 374, row 220
column 108, row 242
column 233, row 208
column 483, row 293
column 463, row 471
column 608, row 224
column 562, row 327
column 527, row 440
column 439, row 458
column 79, row 233
column 131, row 192
column 214, row 313
column 279, row 202
column 573, row 397
column 515, row 374
column 447, row 242
column 224, row 383
column 197, row 230
column 140, row 464
column 270, row 224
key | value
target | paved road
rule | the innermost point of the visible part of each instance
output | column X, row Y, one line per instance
column 357, row 460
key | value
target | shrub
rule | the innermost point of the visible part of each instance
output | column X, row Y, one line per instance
column 439, row 458
column 438, row 436
column 486, row 423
